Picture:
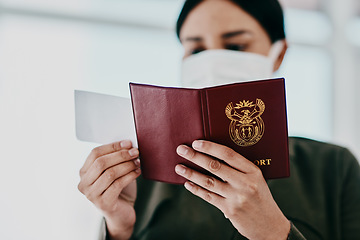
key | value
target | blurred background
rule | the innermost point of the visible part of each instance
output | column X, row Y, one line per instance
column 49, row 48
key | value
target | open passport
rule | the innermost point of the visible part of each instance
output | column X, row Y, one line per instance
column 248, row 117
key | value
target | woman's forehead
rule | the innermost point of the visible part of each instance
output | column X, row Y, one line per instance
column 218, row 17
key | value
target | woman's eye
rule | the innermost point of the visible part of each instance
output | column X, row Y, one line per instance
column 197, row 50
column 235, row 47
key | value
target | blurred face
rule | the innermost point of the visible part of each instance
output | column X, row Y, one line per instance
column 221, row 24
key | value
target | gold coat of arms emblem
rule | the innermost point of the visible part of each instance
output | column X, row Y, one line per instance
column 246, row 127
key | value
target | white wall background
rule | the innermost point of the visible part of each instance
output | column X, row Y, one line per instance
column 48, row 49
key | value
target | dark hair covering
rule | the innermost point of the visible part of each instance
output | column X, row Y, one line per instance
column 267, row 12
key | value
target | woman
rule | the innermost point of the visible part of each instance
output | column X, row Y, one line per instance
column 319, row 201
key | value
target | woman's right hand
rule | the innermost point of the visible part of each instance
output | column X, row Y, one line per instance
column 108, row 181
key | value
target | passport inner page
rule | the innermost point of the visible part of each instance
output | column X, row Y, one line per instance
column 251, row 119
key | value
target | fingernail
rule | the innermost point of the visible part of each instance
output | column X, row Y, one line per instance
column 137, row 162
column 133, row 152
column 138, row 170
column 182, row 150
column 180, row 169
column 125, row 144
column 188, row 185
column 197, row 144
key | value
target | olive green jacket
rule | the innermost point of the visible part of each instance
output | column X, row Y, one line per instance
column 321, row 199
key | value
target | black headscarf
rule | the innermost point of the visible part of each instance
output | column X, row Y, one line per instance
column 267, row 12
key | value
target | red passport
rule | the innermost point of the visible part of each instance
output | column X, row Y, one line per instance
column 248, row 117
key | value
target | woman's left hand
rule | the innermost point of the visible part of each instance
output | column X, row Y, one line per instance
column 242, row 193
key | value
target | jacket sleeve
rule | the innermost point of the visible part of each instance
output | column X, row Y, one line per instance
column 350, row 199
column 294, row 233
column 103, row 235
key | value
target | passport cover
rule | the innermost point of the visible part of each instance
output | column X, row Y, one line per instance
column 248, row 117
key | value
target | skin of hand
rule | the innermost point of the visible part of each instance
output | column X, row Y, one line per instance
column 241, row 192
column 108, row 180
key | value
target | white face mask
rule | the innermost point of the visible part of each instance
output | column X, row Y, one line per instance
column 220, row 66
